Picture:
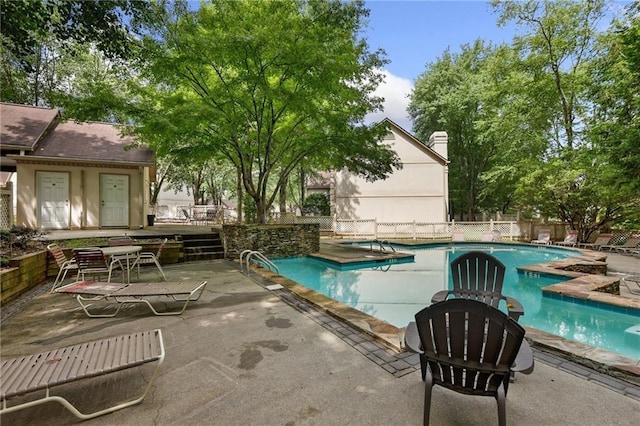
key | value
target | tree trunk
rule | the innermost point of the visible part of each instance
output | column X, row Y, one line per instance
column 240, row 194
column 283, row 197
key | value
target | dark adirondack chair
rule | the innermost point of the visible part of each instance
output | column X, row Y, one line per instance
column 469, row 347
column 479, row 276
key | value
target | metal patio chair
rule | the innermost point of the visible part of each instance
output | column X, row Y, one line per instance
column 65, row 265
column 570, row 239
column 148, row 258
column 544, row 237
column 92, row 261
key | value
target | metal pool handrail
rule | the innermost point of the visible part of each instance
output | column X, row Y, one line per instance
column 382, row 244
column 261, row 259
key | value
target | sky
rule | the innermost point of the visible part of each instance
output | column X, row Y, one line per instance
column 415, row 33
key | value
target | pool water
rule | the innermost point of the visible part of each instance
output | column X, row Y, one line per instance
column 395, row 292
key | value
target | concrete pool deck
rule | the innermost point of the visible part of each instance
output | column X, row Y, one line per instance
column 245, row 355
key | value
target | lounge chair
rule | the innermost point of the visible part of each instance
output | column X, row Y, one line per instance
column 570, row 239
column 633, row 284
column 43, row 371
column 602, row 240
column 629, row 246
column 544, row 237
column 118, row 295
column 92, row 261
column 479, row 276
column 469, row 347
column 65, row 265
column 148, row 258
column 457, row 236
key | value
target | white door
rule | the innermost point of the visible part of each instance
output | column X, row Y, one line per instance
column 114, row 200
column 54, row 209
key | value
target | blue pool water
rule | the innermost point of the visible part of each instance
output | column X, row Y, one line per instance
column 395, row 292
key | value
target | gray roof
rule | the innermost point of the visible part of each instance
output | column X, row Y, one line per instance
column 21, row 126
column 39, row 132
column 91, row 141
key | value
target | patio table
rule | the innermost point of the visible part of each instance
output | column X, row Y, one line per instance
column 128, row 252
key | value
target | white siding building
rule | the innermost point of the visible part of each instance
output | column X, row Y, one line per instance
column 418, row 192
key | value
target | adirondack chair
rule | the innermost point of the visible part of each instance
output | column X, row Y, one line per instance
column 469, row 347
column 480, row 276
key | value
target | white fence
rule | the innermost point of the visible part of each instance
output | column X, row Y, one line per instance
column 371, row 228
column 6, row 207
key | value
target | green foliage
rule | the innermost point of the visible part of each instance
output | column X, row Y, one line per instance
column 615, row 125
column 254, row 82
column 250, row 210
column 461, row 93
column 547, row 125
column 316, row 205
column 17, row 241
column 42, row 38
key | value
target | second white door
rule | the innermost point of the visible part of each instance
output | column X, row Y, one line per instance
column 114, row 200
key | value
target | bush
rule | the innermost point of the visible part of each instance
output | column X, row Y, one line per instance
column 316, row 205
column 17, row 241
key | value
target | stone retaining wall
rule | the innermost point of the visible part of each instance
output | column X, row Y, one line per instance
column 597, row 268
column 271, row 240
column 24, row 273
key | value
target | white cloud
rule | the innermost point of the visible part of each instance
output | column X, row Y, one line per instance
column 395, row 91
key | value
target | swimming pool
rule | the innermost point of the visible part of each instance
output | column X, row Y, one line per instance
column 395, row 292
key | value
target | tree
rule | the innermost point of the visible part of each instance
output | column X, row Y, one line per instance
column 267, row 85
column 39, row 35
column 557, row 40
column 449, row 95
column 573, row 181
column 615, row 124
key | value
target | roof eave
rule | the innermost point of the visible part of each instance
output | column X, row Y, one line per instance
column 416, row 141
column 36, row 158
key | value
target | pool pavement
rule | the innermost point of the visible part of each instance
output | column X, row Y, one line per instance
column 245, row 355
